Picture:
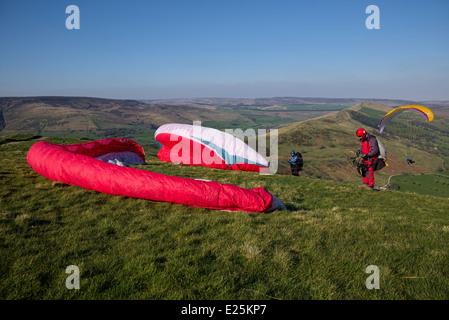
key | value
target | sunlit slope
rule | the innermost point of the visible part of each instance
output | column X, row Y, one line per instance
column 328, row 141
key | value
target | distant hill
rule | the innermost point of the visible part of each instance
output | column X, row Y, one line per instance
column 77, row 117
column 283, row 101
column 97, row 117
column 85, row 113
column 86, row 117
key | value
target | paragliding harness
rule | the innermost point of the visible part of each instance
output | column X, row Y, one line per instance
column 357, row 162
column 297, row 166
column 377, row 165
column 381, row 161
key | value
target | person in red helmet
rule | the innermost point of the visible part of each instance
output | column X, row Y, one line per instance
column 369, row 152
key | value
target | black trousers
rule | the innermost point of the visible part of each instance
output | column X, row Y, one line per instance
column 295, row 169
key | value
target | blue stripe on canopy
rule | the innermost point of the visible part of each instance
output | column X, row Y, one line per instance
column 226, row 156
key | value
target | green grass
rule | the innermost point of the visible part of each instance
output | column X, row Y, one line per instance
column 257, row 117
column 296, row 107
column 376, row 114
column 129, row 248
column 431, row 184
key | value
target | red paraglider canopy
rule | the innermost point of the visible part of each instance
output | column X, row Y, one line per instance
column 76, row 165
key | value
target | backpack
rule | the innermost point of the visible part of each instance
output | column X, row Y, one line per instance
column 382, row 150
column 300, row 161
column 381, row 161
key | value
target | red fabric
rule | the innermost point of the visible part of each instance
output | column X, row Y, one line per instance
column 193, row 153
column 366, row 147
column 369, row 178
column 97, row 148
column 74, row 165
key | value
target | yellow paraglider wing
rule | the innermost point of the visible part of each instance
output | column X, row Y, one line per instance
column 423, row 110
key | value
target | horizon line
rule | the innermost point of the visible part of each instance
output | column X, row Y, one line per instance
column 212, row 97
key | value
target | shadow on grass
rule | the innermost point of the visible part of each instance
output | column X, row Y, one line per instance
column 18, row 138
column 298, row 205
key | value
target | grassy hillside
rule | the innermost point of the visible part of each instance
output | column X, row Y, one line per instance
column 327, row 142
column 436, row 184
column 319, row 248
column 95, row 118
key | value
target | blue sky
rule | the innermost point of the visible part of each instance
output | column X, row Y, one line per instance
column 158, row 49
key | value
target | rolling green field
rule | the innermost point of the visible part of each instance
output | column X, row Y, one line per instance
column 126, row 248
column 436, row 184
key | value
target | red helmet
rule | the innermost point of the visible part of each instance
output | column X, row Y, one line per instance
column 361, row 133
